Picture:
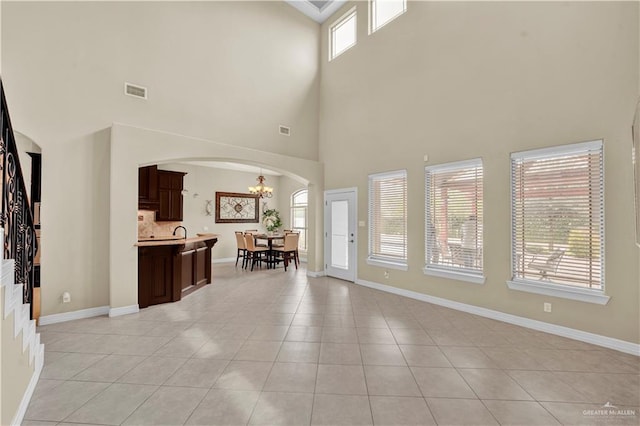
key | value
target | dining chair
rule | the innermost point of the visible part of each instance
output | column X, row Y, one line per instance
column 242, row 248
column 280, row 241
column 255, row 232
column 254, row 253
column 289, row 250
column 297, row 246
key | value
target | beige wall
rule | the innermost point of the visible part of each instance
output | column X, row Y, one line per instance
column 224, row 71
column 455, row 81
column 16, row 371
column 132, row 147
column 206, row 181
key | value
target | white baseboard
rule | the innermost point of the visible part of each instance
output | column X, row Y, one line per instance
column 224, row 260
column 74, row 315
column 124, row 310
column 28, row 393
column 317, row 274
column 583, row 336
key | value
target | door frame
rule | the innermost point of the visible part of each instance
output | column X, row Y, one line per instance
column 327, row 255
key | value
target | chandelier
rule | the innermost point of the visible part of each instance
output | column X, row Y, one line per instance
column 261, row 189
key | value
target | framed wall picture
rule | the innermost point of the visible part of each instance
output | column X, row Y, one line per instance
column 635, row 153
column 234, row 207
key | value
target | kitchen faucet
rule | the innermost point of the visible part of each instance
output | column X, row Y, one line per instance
column 178, row 227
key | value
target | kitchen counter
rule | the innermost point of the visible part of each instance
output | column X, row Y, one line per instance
column 169, row 269
column 172, row 241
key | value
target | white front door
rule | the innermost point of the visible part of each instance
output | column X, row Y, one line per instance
column 340, row 233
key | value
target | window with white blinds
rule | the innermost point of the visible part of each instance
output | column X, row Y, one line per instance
column 388, row 218
column 453, row 219
column 558, row 216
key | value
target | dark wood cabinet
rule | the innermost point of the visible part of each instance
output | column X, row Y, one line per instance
column 188, row 261
column 168, row 272
column 170, row 186
column 148, row 192
column 156, row 272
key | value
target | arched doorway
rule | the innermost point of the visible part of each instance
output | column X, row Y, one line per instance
column 132, row 147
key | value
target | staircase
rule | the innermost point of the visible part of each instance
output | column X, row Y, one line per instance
column 22, row 354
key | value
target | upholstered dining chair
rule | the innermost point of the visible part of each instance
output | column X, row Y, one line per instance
column 255, row 231
column 242, row 248
column 289, row 250
column 254, row 254
column 280, row 242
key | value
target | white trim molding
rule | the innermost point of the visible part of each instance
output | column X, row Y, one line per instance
column 316, row 274
column 74, row 315
column 28, row 393
column 558, row 290
column 124, row 310
column 583, row 336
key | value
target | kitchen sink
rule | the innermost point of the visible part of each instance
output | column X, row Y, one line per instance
column 160, row 238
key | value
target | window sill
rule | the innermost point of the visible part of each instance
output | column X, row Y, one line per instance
column 559, row 290
column 387, row 264
column 454, row 275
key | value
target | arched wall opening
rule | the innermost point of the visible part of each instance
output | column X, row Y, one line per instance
column 132, row 147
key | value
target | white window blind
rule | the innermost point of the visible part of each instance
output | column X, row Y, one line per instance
column 453, row 217
column 388, row 217
column 343, row 34
column 558, row 215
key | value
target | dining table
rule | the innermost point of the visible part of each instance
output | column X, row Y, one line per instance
column 271, row 259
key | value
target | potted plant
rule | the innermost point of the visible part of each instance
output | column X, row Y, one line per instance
column 271, row 220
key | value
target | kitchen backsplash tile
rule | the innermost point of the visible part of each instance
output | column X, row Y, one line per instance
column 148, row 226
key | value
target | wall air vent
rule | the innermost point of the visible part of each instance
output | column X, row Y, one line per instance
column 135, row 90
column 284, row 130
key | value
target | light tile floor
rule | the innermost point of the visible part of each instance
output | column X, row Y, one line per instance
column 274, row 347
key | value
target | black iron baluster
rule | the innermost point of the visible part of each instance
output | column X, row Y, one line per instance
column 16, row 219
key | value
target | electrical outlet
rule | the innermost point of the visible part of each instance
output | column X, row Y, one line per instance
column 66, row 297
column 547, row 307
column 386, row 274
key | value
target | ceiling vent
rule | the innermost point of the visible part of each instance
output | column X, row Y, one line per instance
column 135, row 91
column 284, row 130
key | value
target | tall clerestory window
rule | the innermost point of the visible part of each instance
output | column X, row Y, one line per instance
column 381, row 12
column 343, row 34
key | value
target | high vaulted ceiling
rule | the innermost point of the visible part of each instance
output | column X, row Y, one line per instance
column 318, row 10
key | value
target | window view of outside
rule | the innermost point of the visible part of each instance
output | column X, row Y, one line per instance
column 343, row 34
column 388, row 216
column 453, row 210
column 299, row 217
column 558, row 218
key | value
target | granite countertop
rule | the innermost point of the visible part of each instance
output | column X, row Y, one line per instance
column 171, row 240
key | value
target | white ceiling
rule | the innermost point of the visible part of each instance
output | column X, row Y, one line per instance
column 318, row 10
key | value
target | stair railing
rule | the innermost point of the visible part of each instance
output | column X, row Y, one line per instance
column 16, row 219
